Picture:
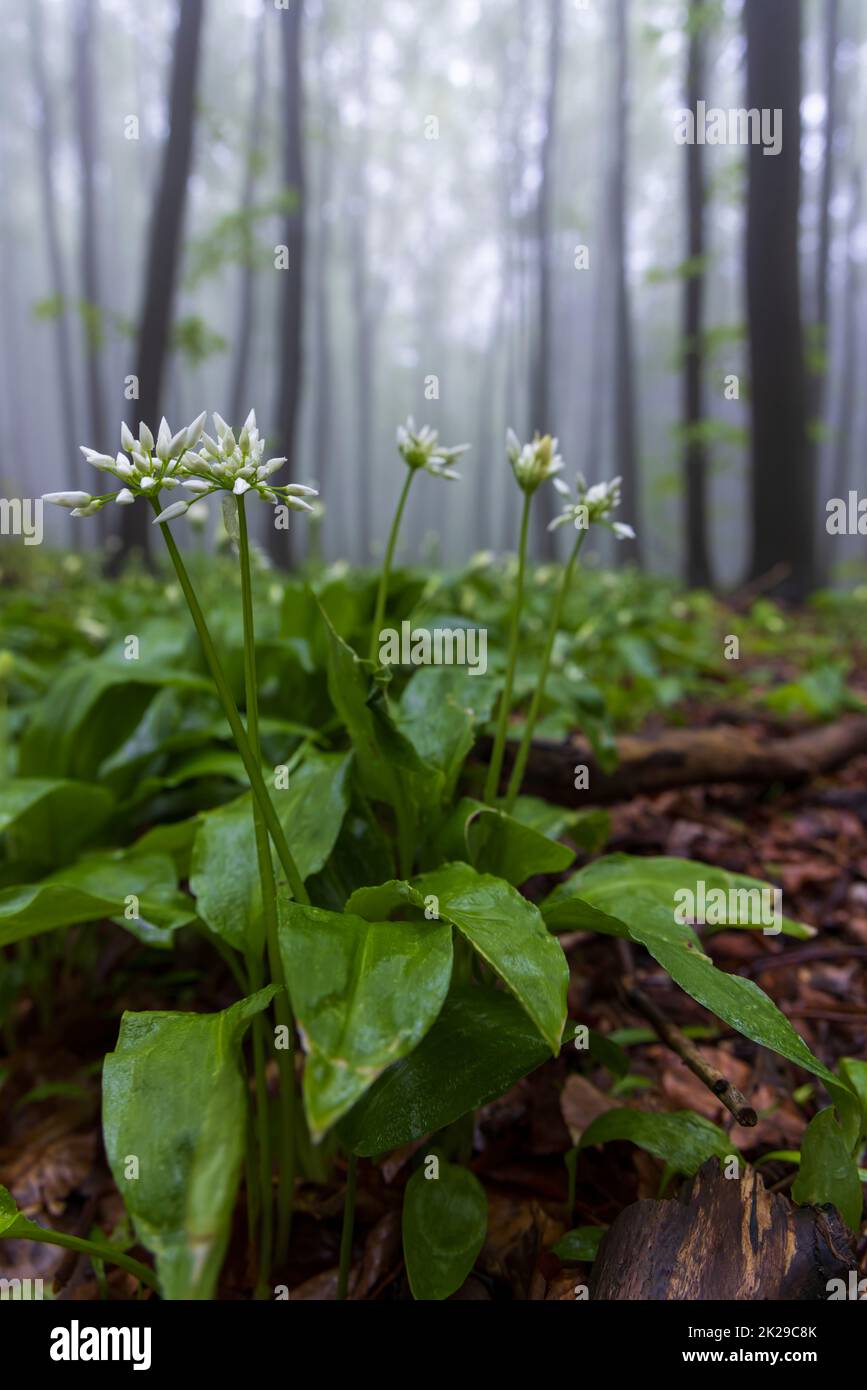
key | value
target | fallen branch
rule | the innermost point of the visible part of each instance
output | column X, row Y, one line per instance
column 688, row 757
column 722, row 1238
column 727, row 1094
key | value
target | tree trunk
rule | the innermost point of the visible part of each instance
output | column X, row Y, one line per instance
column 290, row 323
column 822, row 331
column 323, row 398
column 164, row 250
column 543, row 394
column 783, row 507
column 63, row 345
column 625, row 435
column 361, row 306
column 695, row 455
column 244, row 323
column 844, row 431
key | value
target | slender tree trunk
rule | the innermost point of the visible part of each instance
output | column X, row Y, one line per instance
column 822, row 329
column 695, row 455
column 164, row 249
column 323, row 397
column 85, row 88
column 543, row 392
column 62, row 338
column 845, row 424
column 244, row 321
column 361, row 306
column 290, row 323
column 625, row 432
column 783, row 506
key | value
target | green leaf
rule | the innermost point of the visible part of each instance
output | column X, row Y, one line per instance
column 90, row 709
column 224, row 873
column 828, row 1172
column 507, row 931
column 854, row 1073
column 46, row 821
column 682, row 1139
column 737, row 1001
column 391, row 769
column 497, row 843
column 175, row 1099
column 614, row 884
column 364, row 993
column 97, row 887
column 580, row 1246
column 481, row 1044
column 439, row 712
column 445, row 1220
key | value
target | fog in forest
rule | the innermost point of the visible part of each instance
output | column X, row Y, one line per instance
column 482, row 213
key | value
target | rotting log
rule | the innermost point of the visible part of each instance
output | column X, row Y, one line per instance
column 722, row 1238
column 687, row 757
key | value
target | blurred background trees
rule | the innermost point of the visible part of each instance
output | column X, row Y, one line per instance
column 474, row 211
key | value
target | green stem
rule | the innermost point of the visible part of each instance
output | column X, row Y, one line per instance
column 382, row 592
column 285, row 1191
column 348, row 1227
column 520, row 763
column 251, row 765
column 91, row 1248
column 495, row 766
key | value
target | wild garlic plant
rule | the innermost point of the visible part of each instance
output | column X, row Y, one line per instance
column 233, row 467
column 420, row 451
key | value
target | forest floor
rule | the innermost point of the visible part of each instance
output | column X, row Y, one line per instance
column 811, row 841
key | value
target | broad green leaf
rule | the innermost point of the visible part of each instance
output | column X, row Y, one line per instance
column 828, row 1172
column 46, row 821
column 439, row 712
column 175, row 1101
column 854, row 1072
column 97, row 887
column 364, row 993
column 682, row 1139
column 589, row 829
column 737, row 1001
column 377, row 904
column 445, row 1220
column 508, row 932
column 614, row 885
column 89, row 711
column 224, row 874
column 391, row 769
column 481, row 1044
column 581, row 1245
column 499, row 844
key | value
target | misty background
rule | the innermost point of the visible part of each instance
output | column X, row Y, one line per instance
column 434, row 169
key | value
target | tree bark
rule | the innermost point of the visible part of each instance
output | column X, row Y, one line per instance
column 290, row 323
column 323, row 399
column 164, row 249
column 684, row 758
column 769, row 1250
column 625, row 432
column 63, row 344
column 543, row 361
column 698, row 572
column 782, row 482
column 244, row 323
column 361, row 305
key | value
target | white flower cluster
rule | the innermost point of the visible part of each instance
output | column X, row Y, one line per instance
column 223, row 464
column 533, row 463
column 591, row 506
column 420, row 449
